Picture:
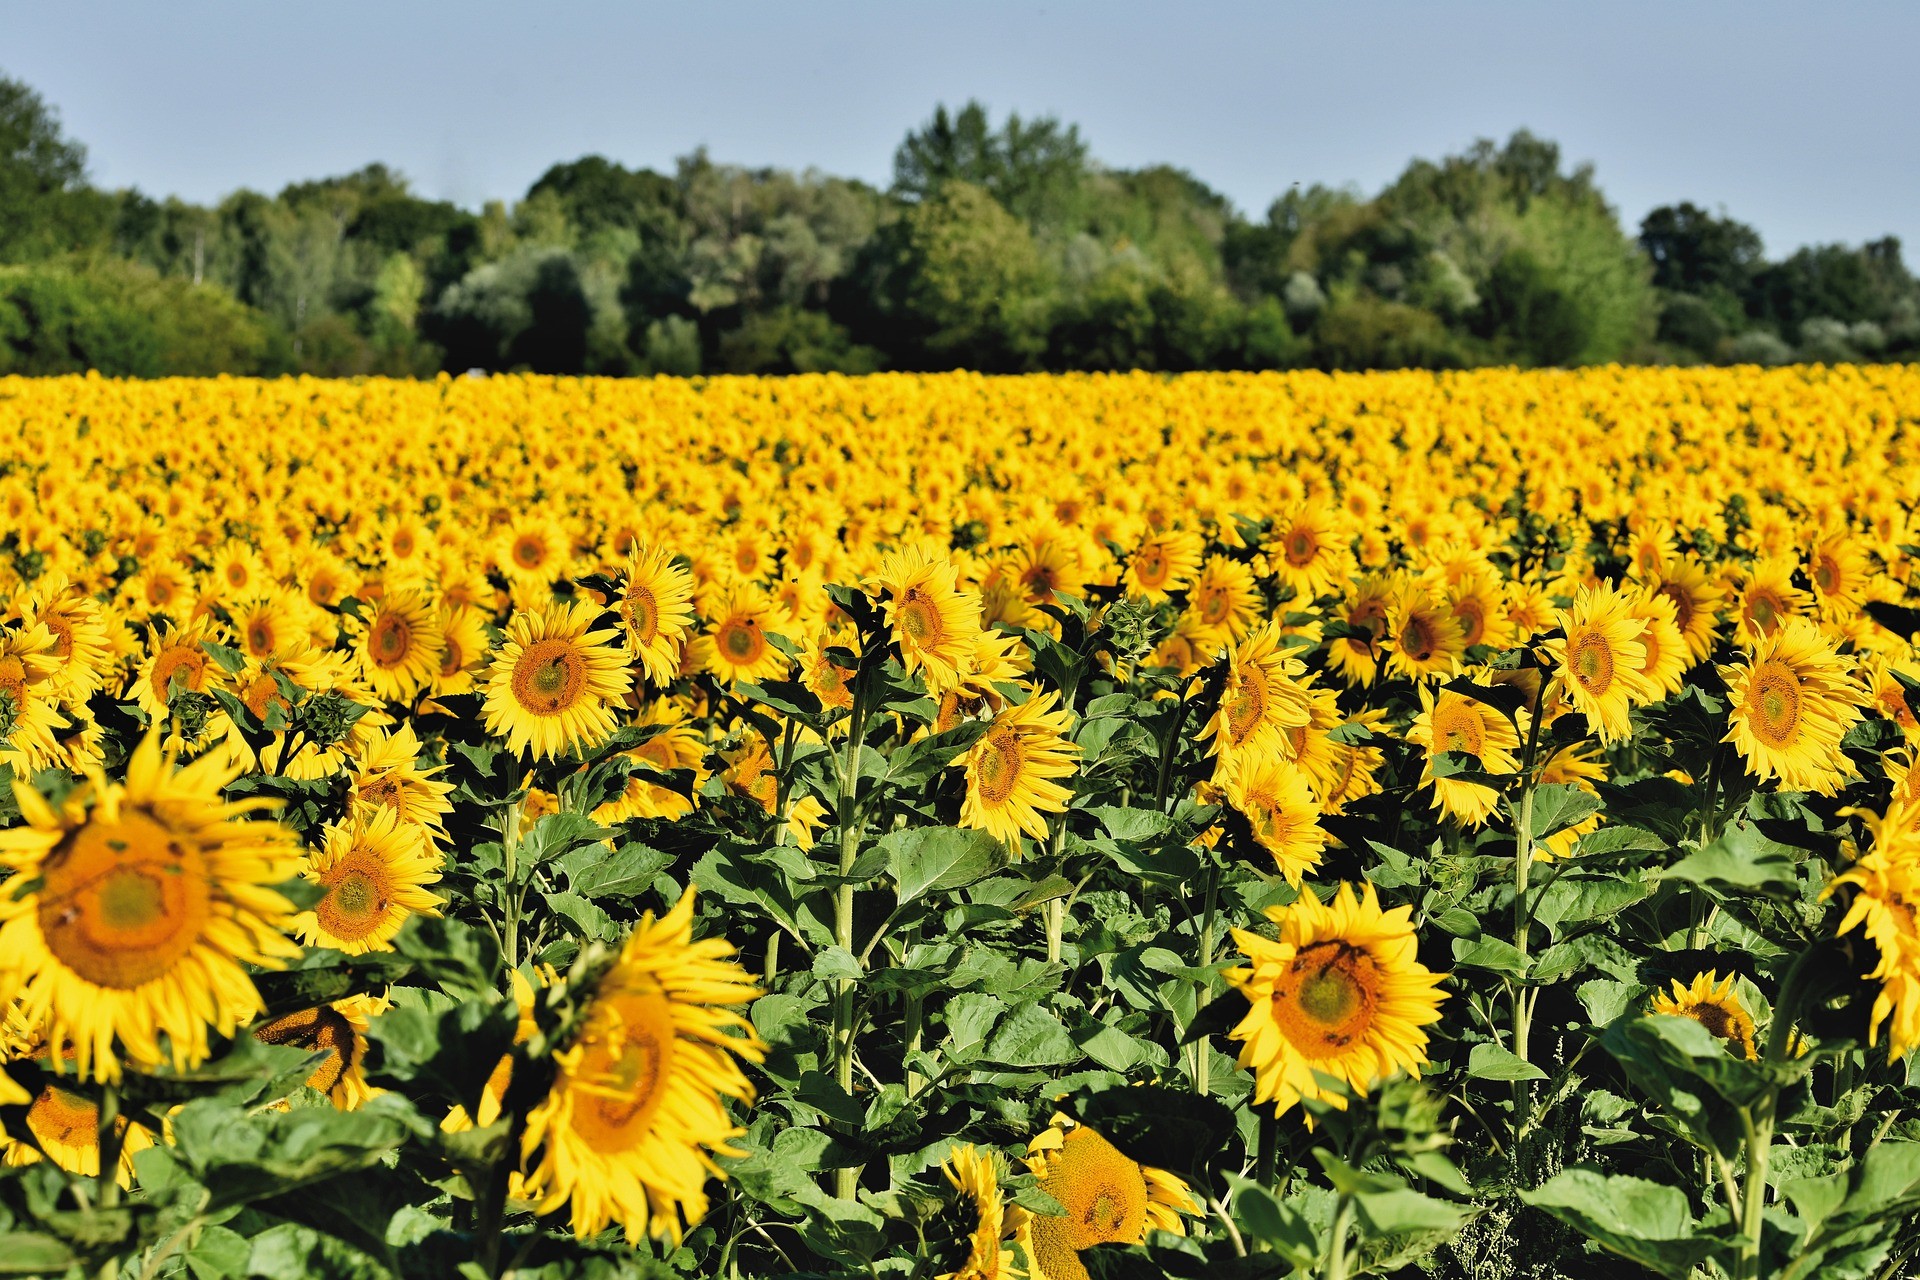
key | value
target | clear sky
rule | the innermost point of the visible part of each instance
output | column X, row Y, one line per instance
column 1803, row 119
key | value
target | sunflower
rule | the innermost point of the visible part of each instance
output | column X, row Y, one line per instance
column 1281, row 808
column 656, row 606
column 1888, row 697
column 1886, row 884
column 1339, row 994
column 1307, row 554
column 1453, row 722
column 554, row 683
column 139, row 907
column 269, row 626
column 1837, row 566
column 533, row 551
column 976, row 1175
column 338, row 1030
column 30, row 717
column 637, row 1111
column 390, row 776
column 1426, row 641
column 1572, row 765
column 1163, row 562
column 174, row 655
column 676, row 746
column 1365, row 609
column 1108, row 1197
column 750, row 773
column 1600, row 660
column 1767, row 599
column 463, row 637
column 1696, row 597
column 1011, row 770
column 934, row 623
column 1263, row 698
column 827, row 679
column 67, row 1127
column 1225, row 600
column 372, row 876
column 1711, row 1002
column 1478, row 603
column 1046, row 565
column 1667, row 658
column 82, row 651
column 735, row 647
column 399, row 644
column 1793, row 701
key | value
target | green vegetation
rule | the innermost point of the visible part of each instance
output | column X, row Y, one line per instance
column 1001, row 248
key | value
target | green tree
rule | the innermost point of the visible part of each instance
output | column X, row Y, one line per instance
column 46, row 206
column 975, row 286
column 1036, row 169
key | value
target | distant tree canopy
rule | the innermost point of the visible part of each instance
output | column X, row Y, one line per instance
column 1000, row 247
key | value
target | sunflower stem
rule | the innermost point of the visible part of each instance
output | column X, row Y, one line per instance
column 1337, row 1240
column 510, row 843
column 1202, row 1064
column 107, row 1140
column 846, row 1181
column 1168, row 750
column 1756, row 1124
column 1522, row 864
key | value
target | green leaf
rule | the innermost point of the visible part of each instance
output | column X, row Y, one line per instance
column 837, row 964
column 1557, row 806
column 1741, row 858
column 625, row 874
column 1497, row 954
column 1489, row 1061
column 1137, row 826
column 27, row 1253
column 1404, row 1211
column 1280, row 1226
column 1032, row 1037
column 1643, row 1221
column 926, row 860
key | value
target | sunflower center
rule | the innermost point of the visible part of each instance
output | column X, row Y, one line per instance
column 263, row 692
column 124, row 901
column 183, row 660
column 1826, row 574
column 1419, row 638
column 1714, row 1019
column 549, row 676
column 1764, row 609
column 1459, row 729
column 391, row 641
column 452, row 659
column 1103, row 1192
column 64, row 1119
column 260, row 637
column 1775, row 704
column 1151, row 567
column 1248, row 705
column 1214, row 606
column 1301, row 546
column 529, row 552
column 1325, row 1000
column 919, row 619
column 315, row 1030
column 624, row 1071
column 1472, row 616
column 741, row 641
column 1682, row 602
column 1592, row 663
column 643, row 613
column 997, row 766
column 62, row 628
column 357, row 897
column 1372, row 615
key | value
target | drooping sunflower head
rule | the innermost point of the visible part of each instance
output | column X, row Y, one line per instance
column 1711, row 1001
column 373, row 875
column 976, row 1176
column 638, row 1107
column 1109, row 1198
column 656, row 607
column 555, row 682
column 1339, row 993
column 1793, row 701
column 140, row 906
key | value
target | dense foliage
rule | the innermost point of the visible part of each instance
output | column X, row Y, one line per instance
column 1228, row 826
column 1000, row 248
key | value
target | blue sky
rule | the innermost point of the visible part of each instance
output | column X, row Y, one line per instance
column 1802, row 119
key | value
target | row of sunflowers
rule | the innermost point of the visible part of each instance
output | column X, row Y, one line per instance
column 944, row 826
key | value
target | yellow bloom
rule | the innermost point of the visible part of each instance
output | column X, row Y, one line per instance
column 1793, row 701
column 553, row 683
column 1108, row 1198
column 1601, row 659
column 1710, row 1001
column 1011, row 770
column 372, row 875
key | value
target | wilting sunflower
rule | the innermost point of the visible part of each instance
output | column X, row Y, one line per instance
column 339, row 1030
column 1711, row 1002
column 67, row 1127
column 1340, row 994
column 1793, row 701
column 372, row 875
column 1308, row 554
column 1011, row 770
column 976, row 1175
column 637, row 1110
column 139, row 907
column 1451, row 721
column 1695, row 597
column 1425, row 639
column 1108, row 1197
column 1263, row 698
column 554, row 683
column 735, row 645
column 656, row 606
column 30, row 716
column 1164, row 561
column 399, row 643
column 1600, row 660
column 391, row 776
column 934, row 622
column 1886, row 884
column 1281, row 809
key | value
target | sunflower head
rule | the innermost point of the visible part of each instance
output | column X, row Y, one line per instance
column 1109, row 1198
column 1711, row 1001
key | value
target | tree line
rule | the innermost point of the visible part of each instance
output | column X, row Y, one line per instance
column 1001, row 247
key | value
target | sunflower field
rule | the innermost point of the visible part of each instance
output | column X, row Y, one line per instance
column 961, row 828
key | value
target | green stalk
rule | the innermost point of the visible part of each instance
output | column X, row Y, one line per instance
column 1758, row 1127
column 846, row 1181
column 1202, row 1064
column 107, row 1138
column 1522, row 865
column 510, row 843
column 1337, row 1241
